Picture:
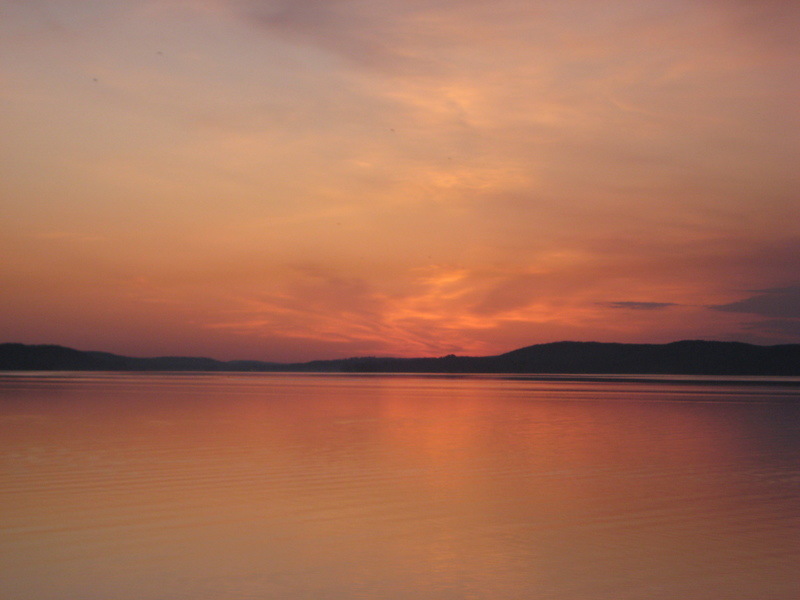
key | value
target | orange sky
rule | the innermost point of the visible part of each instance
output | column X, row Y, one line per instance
column 298, row 179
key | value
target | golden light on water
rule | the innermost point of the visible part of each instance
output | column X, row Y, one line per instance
column 223, row 486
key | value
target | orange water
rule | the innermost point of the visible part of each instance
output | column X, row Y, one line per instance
column 218, row 487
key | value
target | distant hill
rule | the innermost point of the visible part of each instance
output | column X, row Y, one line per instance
column 21, row 357
column 687, row 357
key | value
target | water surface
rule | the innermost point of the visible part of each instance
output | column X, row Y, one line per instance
column 233, row 486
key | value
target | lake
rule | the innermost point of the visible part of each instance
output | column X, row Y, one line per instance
column 325, row 487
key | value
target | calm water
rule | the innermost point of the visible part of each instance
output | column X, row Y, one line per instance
column 328, row 487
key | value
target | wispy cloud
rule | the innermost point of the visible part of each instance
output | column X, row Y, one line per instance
column 399, row 176
column 780, row 303
column 786, row 330
column 638, row 305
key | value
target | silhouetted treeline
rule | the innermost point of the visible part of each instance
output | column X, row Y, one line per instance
column 686, row 357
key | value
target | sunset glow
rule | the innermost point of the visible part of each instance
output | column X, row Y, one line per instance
column 299, row 179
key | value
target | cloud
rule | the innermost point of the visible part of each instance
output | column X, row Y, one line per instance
column 362, row 34
column 787, row 328
column 638, row 305
column 510, row 293
column 778, row 303
column 769, row 23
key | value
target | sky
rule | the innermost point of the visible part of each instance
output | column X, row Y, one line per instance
column 291, row 180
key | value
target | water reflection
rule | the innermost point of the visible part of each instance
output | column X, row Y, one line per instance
column 287, row 486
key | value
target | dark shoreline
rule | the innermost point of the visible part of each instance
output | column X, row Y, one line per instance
column 711, row 381
column 553, row 360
